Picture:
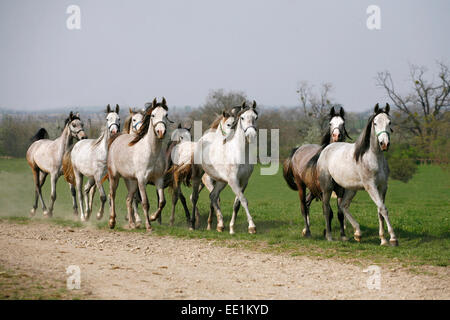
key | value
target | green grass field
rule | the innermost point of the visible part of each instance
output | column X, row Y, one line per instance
column 419, row 212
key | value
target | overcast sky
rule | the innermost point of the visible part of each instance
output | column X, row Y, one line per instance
column 128, row 52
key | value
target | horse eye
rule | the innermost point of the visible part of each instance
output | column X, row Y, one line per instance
column 228, row 125
column 242, row 118
column 153, row 115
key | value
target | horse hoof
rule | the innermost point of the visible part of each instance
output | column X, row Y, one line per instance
column 357, row 238
column 306, row 234
column 220, row 228
column 132, row 225
column 344, row 238
column 99, row 215
column 252, row 230
column 112, row 223
column 153, row 217
column 394, row 242
column 232, row 232
column 208, row 227
column 48, row 214
column 138, row 224
column 32, row 212
column 191, row 229
column 149, row 230
column 383, row 242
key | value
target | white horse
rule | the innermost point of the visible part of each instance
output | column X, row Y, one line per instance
column 88, row 159
column 45, row 157
column 140, row 159
column 223, row 157
column 357, row 166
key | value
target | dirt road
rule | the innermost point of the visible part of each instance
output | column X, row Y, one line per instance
column 126, row 265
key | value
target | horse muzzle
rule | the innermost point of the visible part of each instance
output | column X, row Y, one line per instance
column 160, row 129
column 336, row 136
column 384, row 146
column 82, row 135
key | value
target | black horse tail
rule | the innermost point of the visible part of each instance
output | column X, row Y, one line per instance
column 41, row 134
column 287, row 171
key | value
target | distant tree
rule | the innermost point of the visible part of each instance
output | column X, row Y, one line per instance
column 419, row 111
column 216, row 102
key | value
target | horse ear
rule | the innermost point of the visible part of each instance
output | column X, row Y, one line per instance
column 164, row 103
column 387, row 108
column 131, row 110
column 78, row 114
column 117, row 108
column 332, row 112
column 108, row 108
column 70, row 115
column 376, row 109
column 179, row 126
column 243, row 104
column 342, row 112
column 154, row 103
column 254, row 104
column 224, row 113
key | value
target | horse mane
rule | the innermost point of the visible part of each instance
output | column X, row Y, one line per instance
column 216, row 122
column 41, row 134
column 99, row 139
column 363, row 142
column 114, row 137
column 146, row 121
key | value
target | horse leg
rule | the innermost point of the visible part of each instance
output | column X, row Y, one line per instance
column 113, row 183
column 158, row 211
column 341, row 219
column 53, row 180
column 326, row 195
column 306, row 232
column 185, row 207
column 234, row 184
column 131, row 187
column 73, row 192
column 378, row 198
column 78, row 183
column 309, row 198
column 88, row 202
column 344, row 206
column 37, row 186
column 101, row 190
column 194, row 196
column 236, row 207
column 145, row 205
column 136, row 200
column 214, row 197
column 210, row 215
column 174, row 204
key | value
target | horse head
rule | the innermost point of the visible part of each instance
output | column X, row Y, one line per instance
column 181, row 134
column 157, row 111
column 246, row 121
column 382, row 126
column 113, row 119
column 337, row 126
column 76, row 126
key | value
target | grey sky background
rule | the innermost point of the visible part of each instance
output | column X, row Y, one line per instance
column 128, row 52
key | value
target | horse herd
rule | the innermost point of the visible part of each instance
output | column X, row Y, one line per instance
column 219, row 158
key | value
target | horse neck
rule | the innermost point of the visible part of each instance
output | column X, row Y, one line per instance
column 152, row 140
column 106, row 134
column 63, row 141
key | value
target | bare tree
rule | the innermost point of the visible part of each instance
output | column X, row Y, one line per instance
column 425, row 104
column 216, row 102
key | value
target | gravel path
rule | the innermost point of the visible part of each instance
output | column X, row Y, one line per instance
column 127, row 265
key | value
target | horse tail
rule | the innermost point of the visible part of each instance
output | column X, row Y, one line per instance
column 288, row 173
column 106, row 177
column 182, row 173
column 67, row 167
column 41, row 134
